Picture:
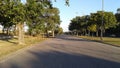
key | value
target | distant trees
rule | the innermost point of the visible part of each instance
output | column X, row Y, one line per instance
column 93, row 23
column 52, row 19
column 74, row 25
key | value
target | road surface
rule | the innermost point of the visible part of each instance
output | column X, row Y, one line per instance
column 65, row 52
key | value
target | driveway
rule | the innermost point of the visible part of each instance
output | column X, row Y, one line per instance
column 65, row 52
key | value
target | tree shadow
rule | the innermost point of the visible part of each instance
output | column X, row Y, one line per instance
column 7, row 38
column 63, row 47
column 57, row 59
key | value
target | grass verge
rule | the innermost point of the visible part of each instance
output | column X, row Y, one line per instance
column 11, row 45
column 107, row 40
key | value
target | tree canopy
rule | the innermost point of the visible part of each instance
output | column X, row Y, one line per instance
column 15, row 14
column 93, row 22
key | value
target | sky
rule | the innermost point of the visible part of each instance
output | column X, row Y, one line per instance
column 82, row 7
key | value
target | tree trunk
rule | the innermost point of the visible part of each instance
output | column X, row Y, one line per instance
column 16, row 30
column 20, row 33
column 85, row 32
column 104, row 31
column 23, row 34
column 3, row 30
column 7, row 31
column 88, row 33
column 92, row 34
column 77, row 33
column 47, row 34
column 101, row 34
column 97, row 33
column 53, row 34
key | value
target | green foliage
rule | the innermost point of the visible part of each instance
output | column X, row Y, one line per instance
column 117, row 15
column 79, row 24
column 5, row 15
column 58, row 30
column 109, row 19
column 115, row 30
column 14, row 13
column 41, row 16
column 93, row 22
column 92, row 28
column 33, row 16
column 19, row 13
column 51, row 19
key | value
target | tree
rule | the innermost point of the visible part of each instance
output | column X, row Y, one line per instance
column 109, row 20
column 34, row 13
column 42, row 15
column 117, row 15
column 53, row 19
column 92, row 28
column 115, row 30
column 74, row 25
column 79, row 24
column 93, row 23
column 58, row 30
column 19, row 18
column 13, row 12
column 5, row 15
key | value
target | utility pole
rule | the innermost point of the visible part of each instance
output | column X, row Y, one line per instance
column 77, row 22
column 102, row 23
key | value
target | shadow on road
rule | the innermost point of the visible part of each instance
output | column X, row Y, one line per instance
column 56, row 56
column 55, row 59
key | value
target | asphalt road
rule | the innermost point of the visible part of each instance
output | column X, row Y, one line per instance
column 65, row 52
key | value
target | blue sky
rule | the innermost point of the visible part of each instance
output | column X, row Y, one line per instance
column 82, row 7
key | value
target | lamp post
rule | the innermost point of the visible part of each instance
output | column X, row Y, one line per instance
column 102, row 12
column 102, row 26
column 77, row 22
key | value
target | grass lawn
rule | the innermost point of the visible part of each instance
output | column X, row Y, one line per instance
column 9, row 46
column 109, row 40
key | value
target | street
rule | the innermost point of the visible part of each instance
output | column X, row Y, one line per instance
column 65, row 52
